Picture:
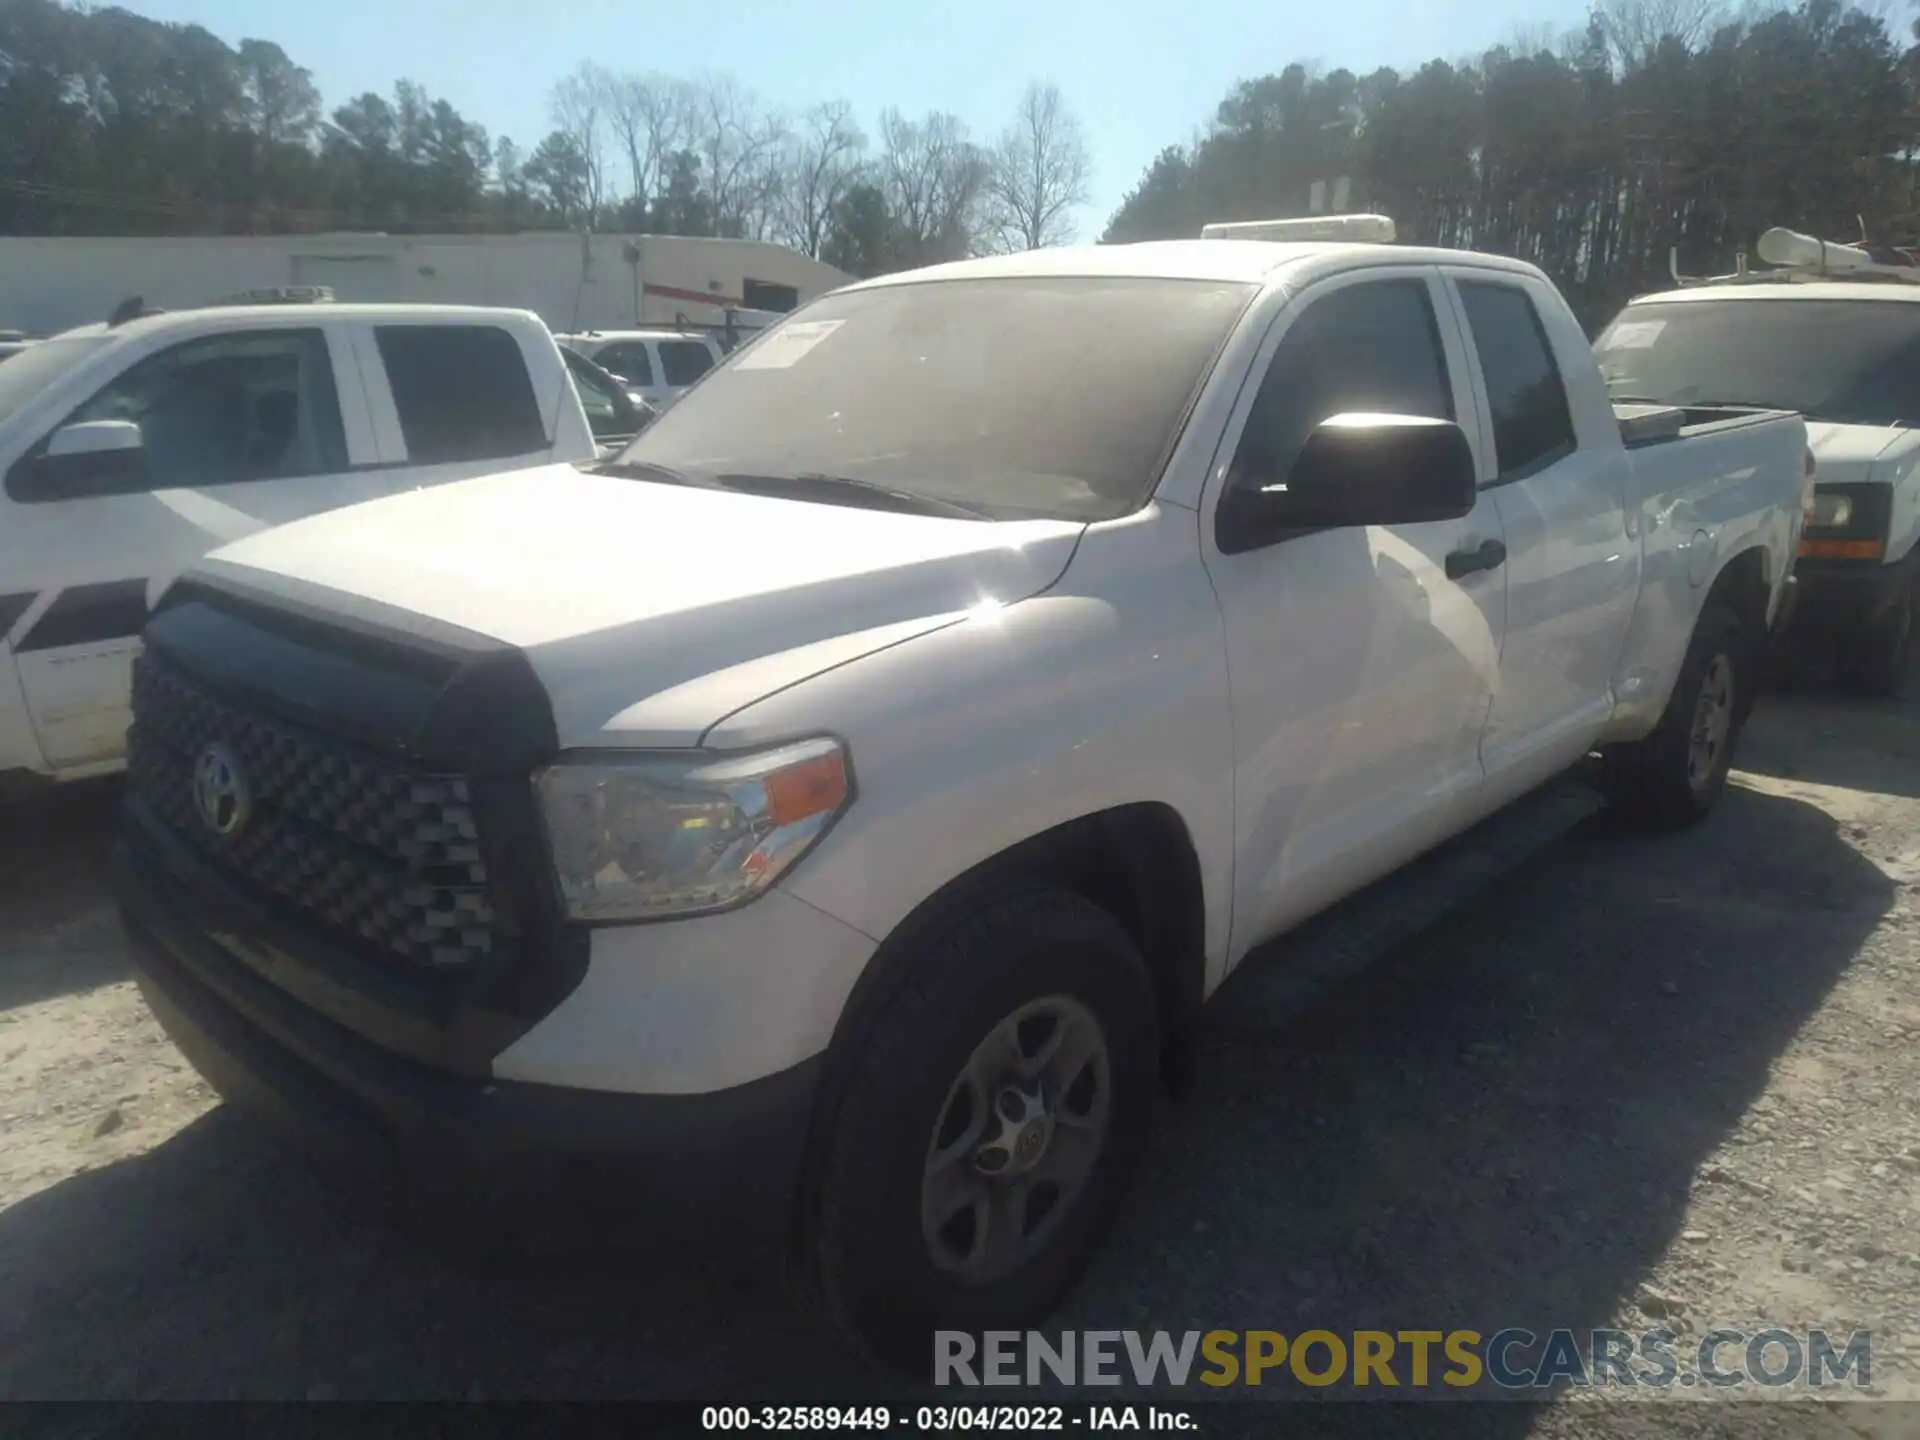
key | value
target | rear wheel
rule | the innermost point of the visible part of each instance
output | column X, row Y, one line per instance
column 1877, row 661
column 981, row 1139
column 1674, row 776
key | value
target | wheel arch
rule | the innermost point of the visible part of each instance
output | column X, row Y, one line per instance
column 1137, row 861
column 1745, row 585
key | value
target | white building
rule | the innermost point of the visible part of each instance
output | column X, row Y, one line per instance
column 50, row 283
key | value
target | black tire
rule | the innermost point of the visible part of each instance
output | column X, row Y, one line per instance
column 864, row 1261
column 1877, row 661
column 1654, row 782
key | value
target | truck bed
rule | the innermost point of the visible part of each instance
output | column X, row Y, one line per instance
column 1709, row 482
column 1643, row 425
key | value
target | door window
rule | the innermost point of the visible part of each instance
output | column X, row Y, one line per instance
column 1373, row 346
column 628, row 359
column 684, row 361
column 259, row 405
column 1532, row 426
column 462, row 392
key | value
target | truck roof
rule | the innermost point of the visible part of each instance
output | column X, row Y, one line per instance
column 1250, row 261
column 1785, row 290
column 283, row 314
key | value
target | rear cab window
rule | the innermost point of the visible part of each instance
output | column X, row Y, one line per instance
column 462, row 392
column 1532, row 424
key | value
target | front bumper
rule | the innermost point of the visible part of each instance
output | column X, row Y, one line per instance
column 730, row 1156
column 1845, row 594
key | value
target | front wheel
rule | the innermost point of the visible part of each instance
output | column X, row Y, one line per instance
column 1673, row 776
column 1876, row 661
column 984, row 1131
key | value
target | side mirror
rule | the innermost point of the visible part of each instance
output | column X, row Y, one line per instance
column 1358, row 469
column 94, row 457
column 95, row 437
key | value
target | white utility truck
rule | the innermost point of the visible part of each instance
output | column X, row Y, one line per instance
column 1832, row 331
column 842, row 804
column 130, row 449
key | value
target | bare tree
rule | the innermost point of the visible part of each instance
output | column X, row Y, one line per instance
column 1040, row 172
column 739, row 145
column 578, row 107
column 651, row 118
column 1634, row 29
column 934, row 179
column 823, row 160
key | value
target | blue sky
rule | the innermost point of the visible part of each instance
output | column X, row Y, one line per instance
column 1142, row 74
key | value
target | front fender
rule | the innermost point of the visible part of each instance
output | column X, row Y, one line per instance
column 1109, row 690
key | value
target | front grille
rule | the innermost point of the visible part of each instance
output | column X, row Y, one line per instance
column 383, row 857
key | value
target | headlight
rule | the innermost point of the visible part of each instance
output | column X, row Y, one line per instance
column 643, row 836
column 1830, row 512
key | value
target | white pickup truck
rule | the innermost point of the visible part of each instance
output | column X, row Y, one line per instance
column 129, row 450
column 841, row 806
column 1846, row 353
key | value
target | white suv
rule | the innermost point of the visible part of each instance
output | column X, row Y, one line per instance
column 655, row 365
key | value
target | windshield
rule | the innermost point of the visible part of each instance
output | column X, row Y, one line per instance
column 1053, row 397
column 25, row 375
column 1849, row 362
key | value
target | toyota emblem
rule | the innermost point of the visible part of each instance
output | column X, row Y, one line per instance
column 220, row 791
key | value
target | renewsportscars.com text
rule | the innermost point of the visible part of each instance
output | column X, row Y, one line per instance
column 1407, row 1360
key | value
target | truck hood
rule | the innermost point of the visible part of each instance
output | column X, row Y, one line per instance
column 1848, row 452
column 652, row 611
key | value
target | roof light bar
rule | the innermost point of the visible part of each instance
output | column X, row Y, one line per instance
column 1359, row 229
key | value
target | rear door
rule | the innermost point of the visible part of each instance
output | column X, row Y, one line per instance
column 1560, row 484
column 241, row 428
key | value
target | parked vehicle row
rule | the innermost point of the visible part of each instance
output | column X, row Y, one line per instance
column 838, row 808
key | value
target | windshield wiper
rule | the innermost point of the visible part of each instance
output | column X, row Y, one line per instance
column 648, row 470
column 847, row 487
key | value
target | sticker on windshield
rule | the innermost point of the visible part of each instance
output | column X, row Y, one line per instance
column 788, row 345
column 1635, row 335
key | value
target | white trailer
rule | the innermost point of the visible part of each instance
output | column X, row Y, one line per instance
column 53, row 283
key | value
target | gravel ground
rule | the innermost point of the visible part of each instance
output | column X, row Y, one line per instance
column 1668, row 1081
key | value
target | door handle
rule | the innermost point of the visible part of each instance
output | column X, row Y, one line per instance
column 1487, row 555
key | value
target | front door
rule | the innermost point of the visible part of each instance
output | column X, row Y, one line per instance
column 238, row 430
column 1361, row 672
